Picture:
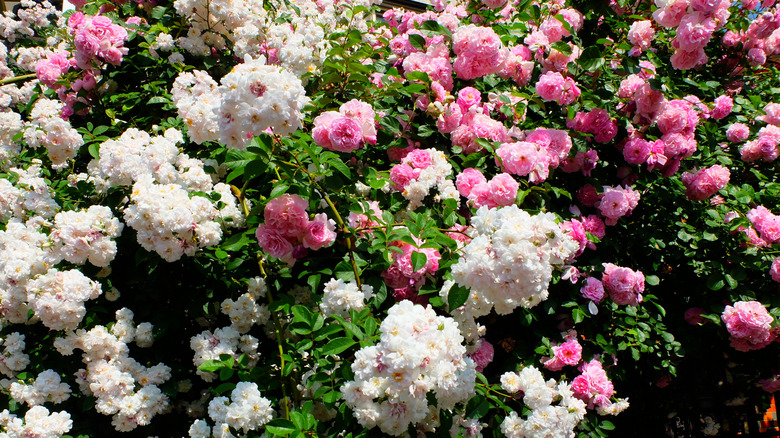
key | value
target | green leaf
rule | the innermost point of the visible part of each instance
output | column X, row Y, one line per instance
column 337, row 346
column 457, row 296
column 419, row 260
column 591, row 59
column 607, row 425
column 280, row 426
column 562, row 47
column 652, row 280
column 477, row 407
column 578, row 315
column 210, row 366
column 417, row 41
column 340, row 166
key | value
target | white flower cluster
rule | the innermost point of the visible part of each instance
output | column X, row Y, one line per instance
column 510, row 259
column 419, row 353
column 213, row 20
column 126, row 331
column 22, row 257
column 433, row 175
column 256, row 97
column 226, row 340
column 5, row 71
column 37, row 423
column 340, row 297
column 13, row 358
column 245, row 410
column 197, row 98
column 58, row 297
column 12, row 125
column 31, row 15
column 545, row 419
column 84, row 235
column 49, row 130
column 29, row 196
column 244, row 312
column 113, row 377
column 47, row 388
column 135, row 153
column 168, row 220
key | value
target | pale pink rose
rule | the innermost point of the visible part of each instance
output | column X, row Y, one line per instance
column 749, row 324
column 483, row 356
column 482, row 196
column 765, row 222
column 503, row 189
column 273, row 243
column 641, row 35
column 624, row 285
column 694, row 32
column 553, row 29
column 636, row 151
column 594, row 225
column 629, row 85
column 705, row 6
column 450, row 118
column 550, row 86
column 574, row 18
column 418, row 159
column 593, row 385
column 674, row 117
column 615, row 203
column 593, row 290
column 569, row 93
column 706, row 182
column 401, row 175
column 287, row 215
column 648, row 101
column 345, row 135
column 468, row 179
column 772, row 116
column 320, row 232
column 686, row 60
column 574, row 229
column 731, row 39
column 774, row 271
column 723, row 106
column 569, row 353
column 468, row 97
column 518, row 158
column 671, row 14
column 321, row 131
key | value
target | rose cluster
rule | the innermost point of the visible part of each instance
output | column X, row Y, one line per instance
column 288, row 233
column 347, row 130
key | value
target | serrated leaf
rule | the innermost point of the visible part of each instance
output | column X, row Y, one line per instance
column 210, row 366
column 457, row 296
column 417, row 41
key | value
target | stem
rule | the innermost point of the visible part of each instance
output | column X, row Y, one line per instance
column 279, row 334
column 21, row 78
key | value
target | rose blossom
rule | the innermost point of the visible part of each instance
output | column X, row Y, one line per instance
column 593, row 290
column 705, row 183
column 737, row 132
column 624, row 285
column 320, row 232
column 287, row 215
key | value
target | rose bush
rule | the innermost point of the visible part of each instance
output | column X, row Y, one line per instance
column 300, row 218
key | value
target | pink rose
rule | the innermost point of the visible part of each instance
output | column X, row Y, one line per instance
column 287, row 215
column 320, row 232
column 705, row 183
column 723, row 106
column 636, row 151
column 624, row 285
column 418, row 159
column 273, row 243
column 593, row 290
column 503, row 189
column 483, row 356
column 468, row 179
column 749, row 324
column 345, row 135
column 550, row 86
column 401, row 175
column 518, row 158
column 774, row 271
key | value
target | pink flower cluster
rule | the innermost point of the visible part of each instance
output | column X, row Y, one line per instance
column 737, row 132
column 500, row 191
column 97, row 40
column 695, row 26
column 640, row 35
column 765, row 147
column 474, row 125
column 593, row 290
column 543, row 149
column 435, row 62
column 616, row 202
column 484, row 355
column 578, row 230
column 348, row 129
column 287, row 232
column 774, row 271
column 553, row 86
column 364, row 221
column 596, row 122
column 410, row 168
column 569, row 353
column 401, row 275
column 624, row 285
column 761, row 40
column 704, row 183
column 766, row 223
column 750, row 325
column 479, row 52
column 50, row 69
column 592, row 385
